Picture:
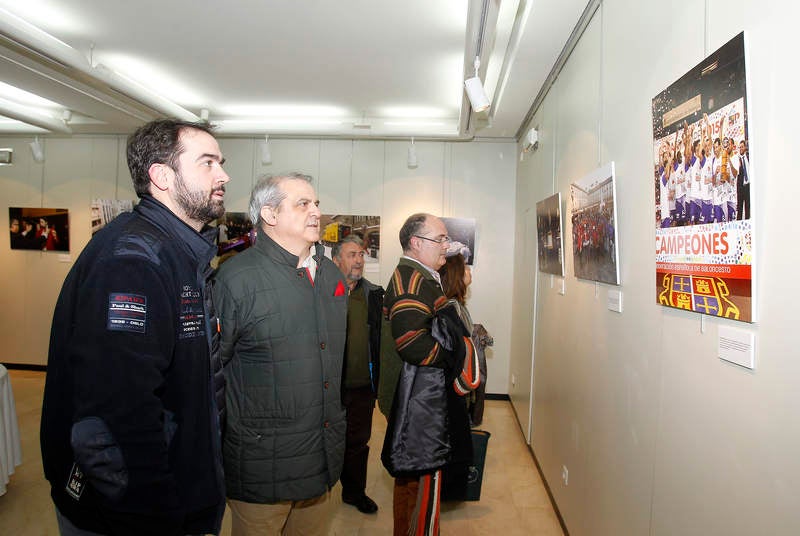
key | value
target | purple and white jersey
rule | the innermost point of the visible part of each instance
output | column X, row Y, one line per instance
column 667, row 187
column 693, row 178
column 706, row 180
column 717, row 189
column 680, row 181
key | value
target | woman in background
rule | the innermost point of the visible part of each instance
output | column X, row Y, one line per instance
column 456, row 278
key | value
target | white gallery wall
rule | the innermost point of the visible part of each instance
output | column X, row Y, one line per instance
column 659, row 436
column 459, row 179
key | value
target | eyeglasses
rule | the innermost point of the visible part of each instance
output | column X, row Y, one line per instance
column 442, row 240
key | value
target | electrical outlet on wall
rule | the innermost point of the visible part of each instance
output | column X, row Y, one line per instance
column 565, row 474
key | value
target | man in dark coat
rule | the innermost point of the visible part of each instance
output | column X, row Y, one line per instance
column 361, row 366
column 743, row 184
column 283, row 312
column 133, row 398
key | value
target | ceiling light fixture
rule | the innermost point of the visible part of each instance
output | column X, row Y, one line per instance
column 363, row 123
column 30, row 37
column 277, row 122
column 412, row 155
column 37, row 150
column 475, row 92
column 413, row 123
column 266, row 154
column 32, row 116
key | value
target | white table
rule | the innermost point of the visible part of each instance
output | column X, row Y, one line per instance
column 10, row 449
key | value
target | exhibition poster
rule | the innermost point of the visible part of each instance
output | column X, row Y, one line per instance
column 595, row 247
column 704, row 237
column 548, row 231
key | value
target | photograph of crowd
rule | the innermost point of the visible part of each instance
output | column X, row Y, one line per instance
column 701, row 176
column 42, row 229
column 594, row 226
column 548, row 231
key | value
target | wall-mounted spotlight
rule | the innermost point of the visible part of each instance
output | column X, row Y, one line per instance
column 475, row 92
column 531, row 141
column 412, row 155
column 37, row 150
column 266, row 154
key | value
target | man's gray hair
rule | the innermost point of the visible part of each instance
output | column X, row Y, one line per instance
column 349, row 239
column 266, row 192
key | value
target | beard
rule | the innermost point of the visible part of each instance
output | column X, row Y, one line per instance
column 197, row 204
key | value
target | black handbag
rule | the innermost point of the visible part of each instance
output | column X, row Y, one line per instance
column 416, row 440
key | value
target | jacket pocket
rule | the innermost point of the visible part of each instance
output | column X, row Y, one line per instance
column 100, row 457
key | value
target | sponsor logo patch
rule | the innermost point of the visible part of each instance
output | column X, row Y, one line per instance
column 192, row 321
column 127, row 312
column 76, row 482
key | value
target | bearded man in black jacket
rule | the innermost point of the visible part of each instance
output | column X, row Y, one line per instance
column 134, row 394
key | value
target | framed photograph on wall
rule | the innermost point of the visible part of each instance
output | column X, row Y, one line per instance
column 549, row 232
column 105, row 210
column 702, row 176
column 40, row 229
column 595, row 251
column 334, row 227
column 462, row 236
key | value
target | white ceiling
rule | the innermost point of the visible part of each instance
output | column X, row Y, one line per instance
column 352, row 68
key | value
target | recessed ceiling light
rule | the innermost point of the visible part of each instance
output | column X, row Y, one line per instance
column 281, row 121
column 282, row 110
column 415, row 112
column 414, row 123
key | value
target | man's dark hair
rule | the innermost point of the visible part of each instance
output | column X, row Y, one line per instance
column 411, row 227
column 157, row 142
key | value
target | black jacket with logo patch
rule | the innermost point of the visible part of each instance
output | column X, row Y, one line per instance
column 134, row 391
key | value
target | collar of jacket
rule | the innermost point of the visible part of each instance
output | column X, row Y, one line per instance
column 199, row 245
column 274, row 251
column 368, row 285
column 418, row 266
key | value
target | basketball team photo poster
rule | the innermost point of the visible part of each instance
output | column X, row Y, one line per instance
column 704, row 236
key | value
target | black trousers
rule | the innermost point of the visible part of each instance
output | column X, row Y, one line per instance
column 743, row 202
column 359, row 403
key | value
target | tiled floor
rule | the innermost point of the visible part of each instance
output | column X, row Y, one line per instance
column 513, row 498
